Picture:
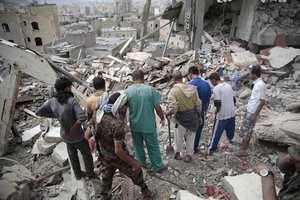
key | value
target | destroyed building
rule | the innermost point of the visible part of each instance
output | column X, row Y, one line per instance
column 31, row 26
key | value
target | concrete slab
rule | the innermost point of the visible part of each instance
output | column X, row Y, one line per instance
column 21, row 171
column 7, row 190
column 53, row 135
column 291, row 128
column 269, row 128
column 280, row 57
column 45, row 147
column 243, row 187
column 244, row 59
column 60, row 154
column 186, row 195
column 28, row 135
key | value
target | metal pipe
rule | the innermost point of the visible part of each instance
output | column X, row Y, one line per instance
column 67, row 74
column 150, row 33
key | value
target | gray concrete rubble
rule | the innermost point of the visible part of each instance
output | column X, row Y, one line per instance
column 267, row 34
column 60, row 154
column 15, row 183
column 245, row 186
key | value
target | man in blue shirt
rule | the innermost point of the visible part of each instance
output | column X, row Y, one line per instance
column 204, row 92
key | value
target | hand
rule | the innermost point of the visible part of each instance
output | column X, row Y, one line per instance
column 136, row 167
column 162, row 123
column 88, row 134
column 261, row 166
column 199, row 121
column 253, row 118
column 75, row 127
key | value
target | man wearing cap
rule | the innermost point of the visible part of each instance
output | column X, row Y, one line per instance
column 289, row 164
column 184, row 102
column 224, row 101
column 254, row 106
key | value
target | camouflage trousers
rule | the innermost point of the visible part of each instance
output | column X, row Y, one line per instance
column 108, row 168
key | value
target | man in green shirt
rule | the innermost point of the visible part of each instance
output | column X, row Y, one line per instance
column 142, row 100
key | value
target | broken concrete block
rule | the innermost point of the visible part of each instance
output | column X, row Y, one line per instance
column 63, row 196
column 296, row 66
column 45, row 147
column 244, row 59
column 18, row 174
column 60, row 154
column 186, row 195
column 245, row 94
column 291, row 128
column 297, row 76
column 53, row 135
column 7, row 190
column 28, row 135
column 294, row 107
column 280, row 57
column 245, row 186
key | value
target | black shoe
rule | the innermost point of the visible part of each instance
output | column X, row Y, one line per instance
column 196, row 151
column 80, row 176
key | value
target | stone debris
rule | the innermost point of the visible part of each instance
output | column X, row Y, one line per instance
column 202, row 178
column 245, row 186
column 60, row 154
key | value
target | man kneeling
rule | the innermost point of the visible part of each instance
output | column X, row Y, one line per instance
column 114, row 153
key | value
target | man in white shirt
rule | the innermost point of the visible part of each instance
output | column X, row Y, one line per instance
column 224, row 101
column 255, row 104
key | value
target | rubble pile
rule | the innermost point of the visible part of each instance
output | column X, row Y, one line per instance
column 203, row 176
column 278, row 18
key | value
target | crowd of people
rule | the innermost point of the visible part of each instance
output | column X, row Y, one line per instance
column 187, row 104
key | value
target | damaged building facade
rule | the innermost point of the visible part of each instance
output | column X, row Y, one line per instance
column 31, row 26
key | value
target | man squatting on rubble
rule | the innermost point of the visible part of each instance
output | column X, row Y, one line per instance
column 142, row 100
column 204, row 92
column 224, row 101
column 289, row 164
column 68, row 112
column 114, row 153
column 254, row 106
column 184, row 102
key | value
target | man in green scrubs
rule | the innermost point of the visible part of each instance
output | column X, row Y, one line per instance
column 142, row 100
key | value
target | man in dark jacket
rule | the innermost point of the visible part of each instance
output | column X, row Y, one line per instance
column 68, row 112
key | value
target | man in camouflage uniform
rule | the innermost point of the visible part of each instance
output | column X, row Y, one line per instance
column 289, row 164
column 115, row 155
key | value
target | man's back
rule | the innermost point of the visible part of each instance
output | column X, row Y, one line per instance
column 204, row 90
column 93, row 101
column 109, row 130
column 141, row 101
column 224, row 93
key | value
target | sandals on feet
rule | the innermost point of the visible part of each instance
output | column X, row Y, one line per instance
column 177, row 156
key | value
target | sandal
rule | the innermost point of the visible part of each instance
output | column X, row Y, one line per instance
column 177, row 156
column 188, row 158
column 149, row 193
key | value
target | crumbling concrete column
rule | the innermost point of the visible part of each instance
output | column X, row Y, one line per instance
column 198, row 23
column 246, row 19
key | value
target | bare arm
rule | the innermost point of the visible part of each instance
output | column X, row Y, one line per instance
column 259, row 107
column 207, row 106
column 159, row 112
column 90, row 115
column 268, row 183
column 126, row 158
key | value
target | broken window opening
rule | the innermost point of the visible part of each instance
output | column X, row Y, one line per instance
column 5, row 27
column 28, row 39
column 35, row 26
column 24, row 22
column 38, row 41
